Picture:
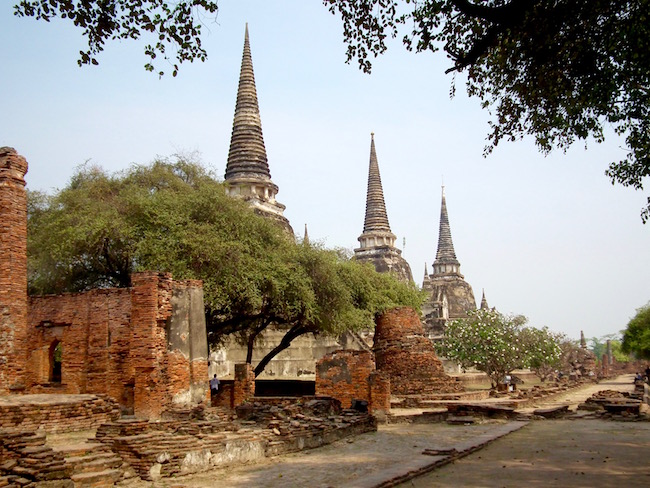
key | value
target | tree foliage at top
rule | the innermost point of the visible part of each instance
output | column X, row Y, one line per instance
column 173, row 216
column 636, row 337
column 559, row 71
column 175, row 25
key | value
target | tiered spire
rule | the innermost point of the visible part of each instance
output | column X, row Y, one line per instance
column 376, row 217
column 377, row 241
column 247, row 171
column 376, row 229
column 305, row 239
column 484, row 303
column 247, row 154
column 445, row 261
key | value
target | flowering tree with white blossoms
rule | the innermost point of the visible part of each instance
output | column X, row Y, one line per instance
column 544, row 350
column 489, row 341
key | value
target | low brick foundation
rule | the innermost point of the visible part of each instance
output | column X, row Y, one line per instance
column 161, row 449
column 56, row 413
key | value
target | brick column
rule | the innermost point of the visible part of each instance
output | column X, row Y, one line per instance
column 379, row 383
column 13, row 269
column 150, row 308
column 244, row 387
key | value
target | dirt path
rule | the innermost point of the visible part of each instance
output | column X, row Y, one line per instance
column 575, row 453
column 535, row 455
column 574, row 397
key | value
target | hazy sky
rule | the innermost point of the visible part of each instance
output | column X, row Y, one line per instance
column 547, row 237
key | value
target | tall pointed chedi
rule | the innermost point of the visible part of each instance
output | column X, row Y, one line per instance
column 484, row 302
column 449, row 295
column 445, row 261
column 247, row 172
column 377, row 241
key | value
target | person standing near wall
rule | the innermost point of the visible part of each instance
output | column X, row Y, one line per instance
column 214, row 385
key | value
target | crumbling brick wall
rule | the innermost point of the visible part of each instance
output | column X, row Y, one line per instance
column 344, row 375
column 407, row 356
column 350, row 375
column 138, row 345
column 13, row 269
column 94, row 332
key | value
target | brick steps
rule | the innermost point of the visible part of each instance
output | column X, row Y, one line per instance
column 92, row 464
column 98, row 479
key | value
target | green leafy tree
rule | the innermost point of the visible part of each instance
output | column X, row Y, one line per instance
column 544, row 351
column 636, row 337
column 489, row 341
column 598, row 345
column 174, row 216
column 559, row 71
column 174, row 26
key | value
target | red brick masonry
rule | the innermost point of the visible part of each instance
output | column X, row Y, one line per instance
column 404, row 353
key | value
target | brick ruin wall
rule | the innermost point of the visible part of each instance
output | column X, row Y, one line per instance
column 404, row 353
column 13, row 269
column 350, row 375
column 146, row 346
column 118, row 342
column 93, row 330
column 57, row 413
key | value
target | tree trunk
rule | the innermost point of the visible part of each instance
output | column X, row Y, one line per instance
column 295, row 331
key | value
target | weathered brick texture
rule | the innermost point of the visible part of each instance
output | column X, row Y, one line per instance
column 13, row 269
column 119, row 342
column 244, row 385
column 94, row 333
column 350, row 375
column 344, row 375
column 408, row 357
column 56, row 413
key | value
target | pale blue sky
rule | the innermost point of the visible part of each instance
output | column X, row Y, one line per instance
column 547, row 237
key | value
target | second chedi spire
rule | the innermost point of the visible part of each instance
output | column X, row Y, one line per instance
column 377, row 241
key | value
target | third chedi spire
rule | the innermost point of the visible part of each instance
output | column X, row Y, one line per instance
column 445, row 262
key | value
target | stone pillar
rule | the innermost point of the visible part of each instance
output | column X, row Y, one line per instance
column 199, row 353
column 187, row 344
column 244, row 387
column 150, row 309
column 604, row 365
column 13, row 269
column 610, row 356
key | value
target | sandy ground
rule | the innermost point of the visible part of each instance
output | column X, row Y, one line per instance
column 546, row 453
